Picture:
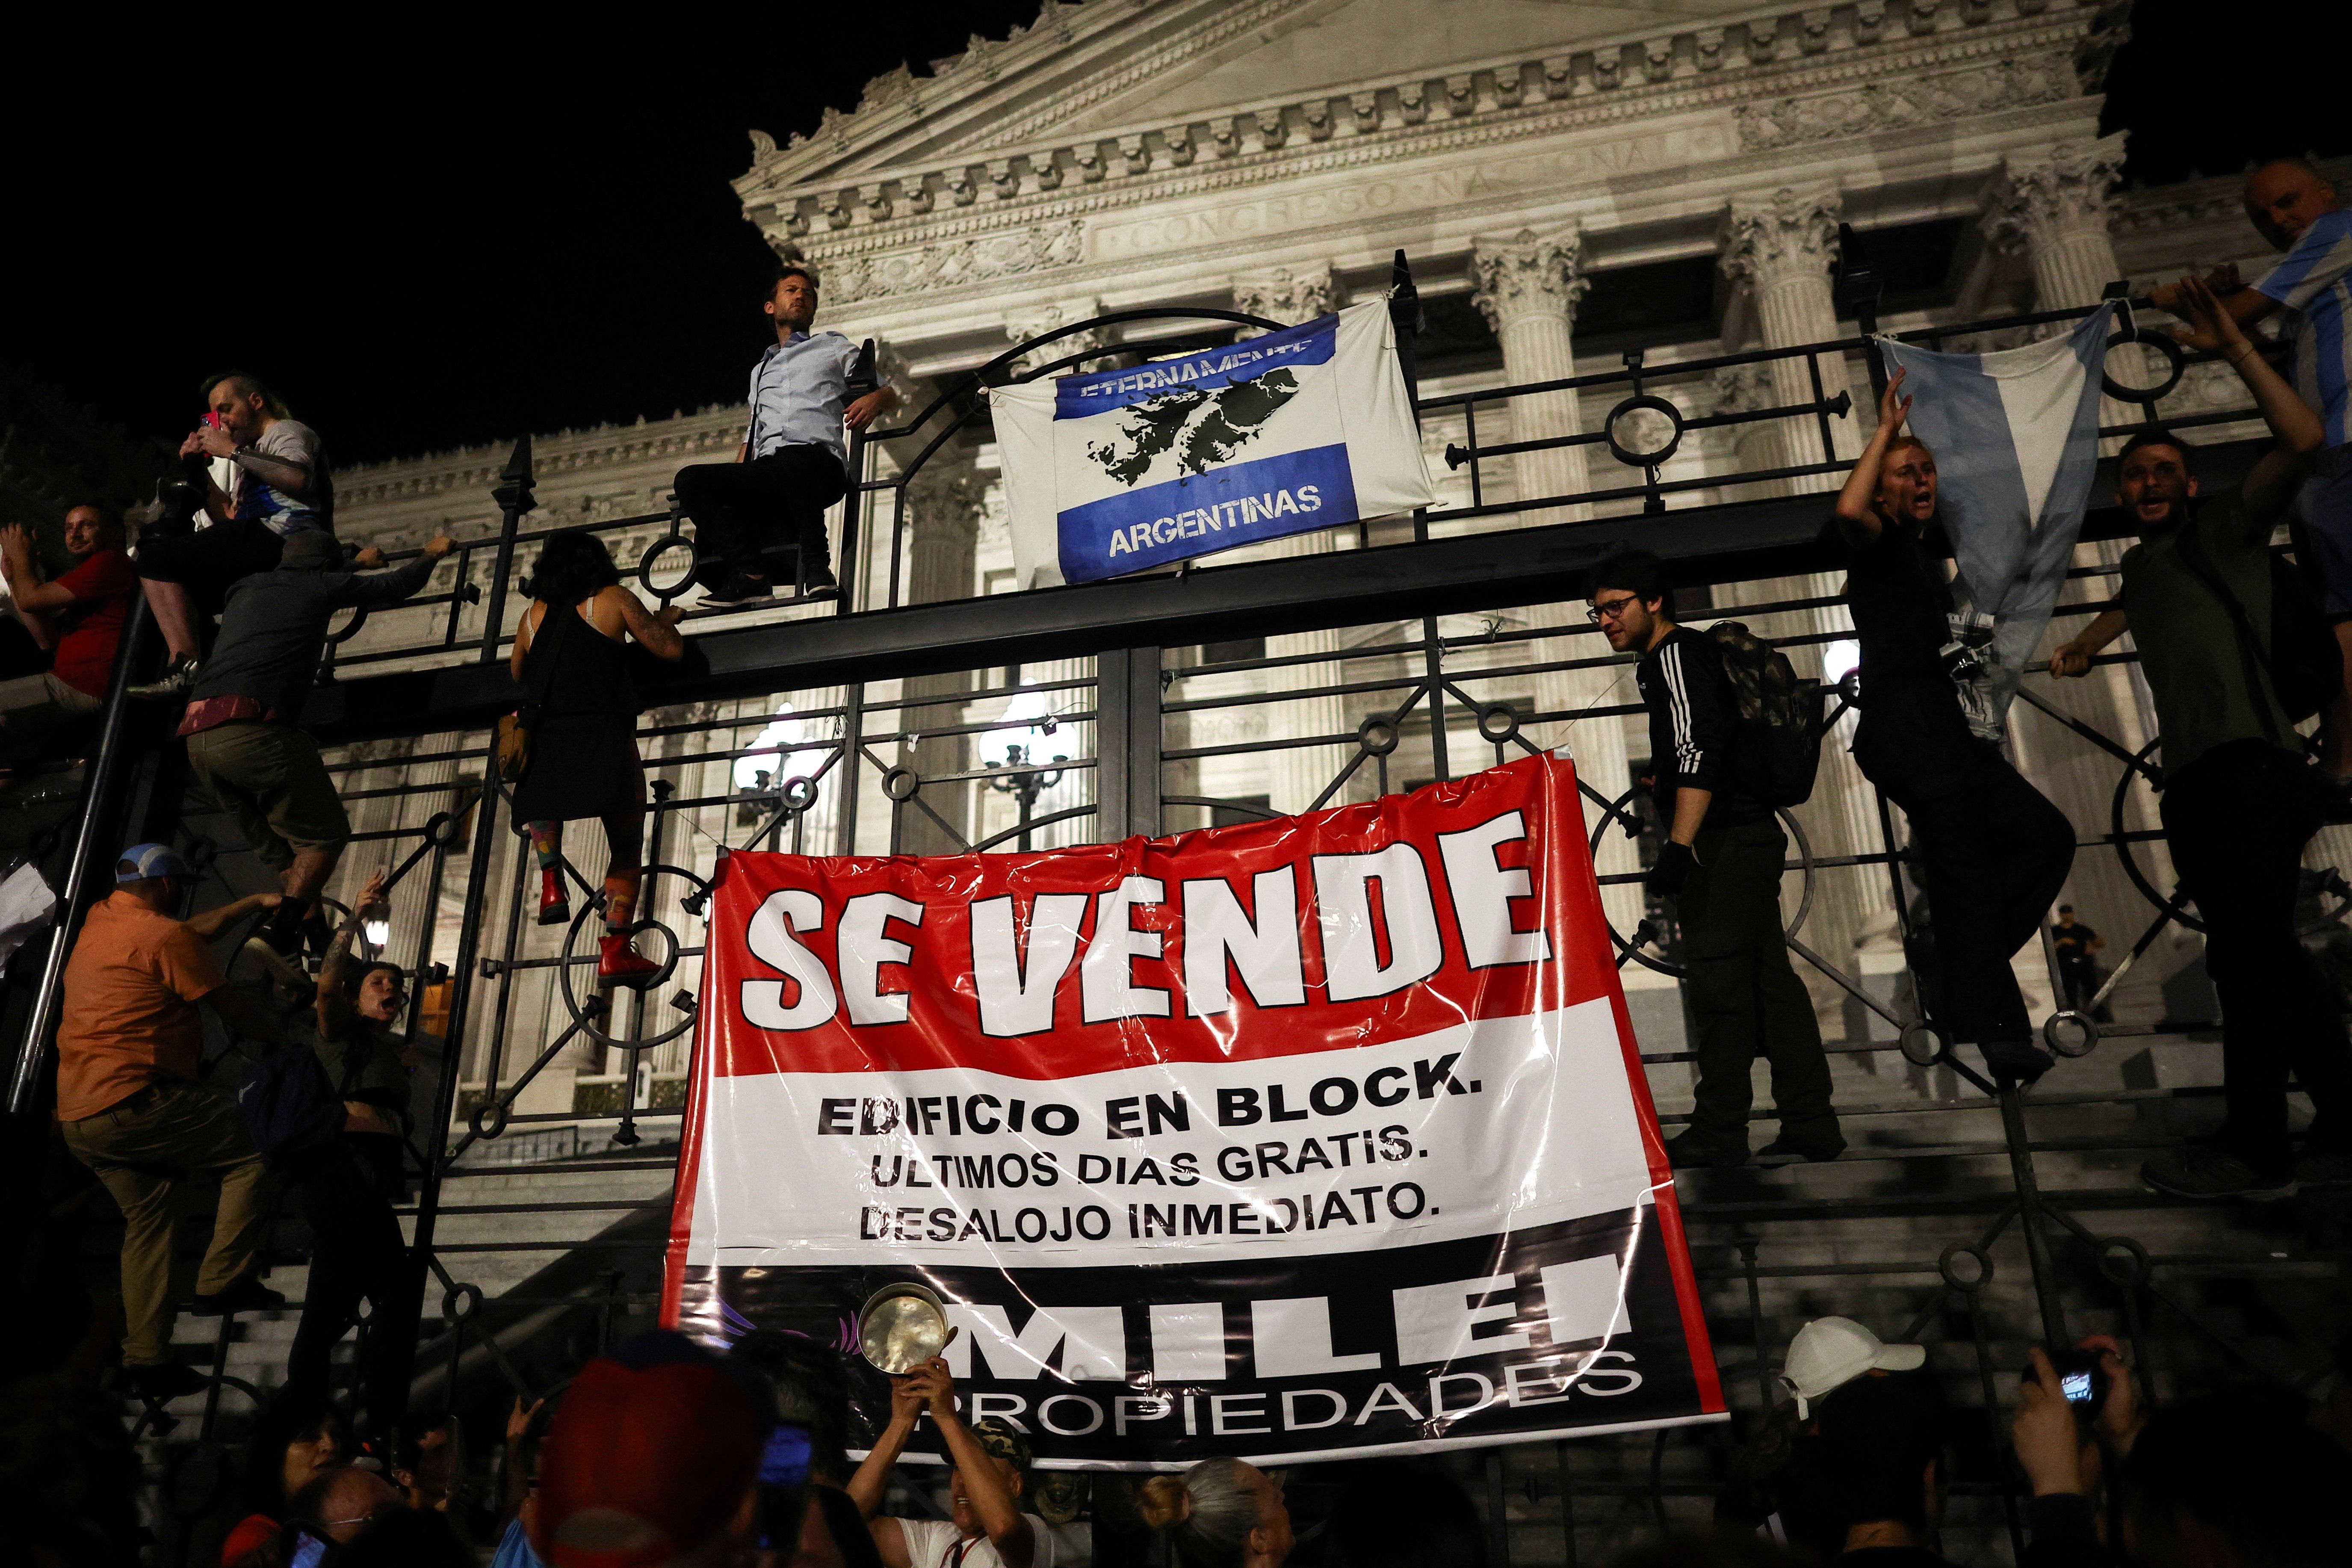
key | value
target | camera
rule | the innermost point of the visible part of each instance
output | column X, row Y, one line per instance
column 2081, row 1379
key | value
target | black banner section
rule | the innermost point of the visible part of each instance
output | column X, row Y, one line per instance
column 1550, row 1332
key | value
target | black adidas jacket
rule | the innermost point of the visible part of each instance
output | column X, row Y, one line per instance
column 1694, row 727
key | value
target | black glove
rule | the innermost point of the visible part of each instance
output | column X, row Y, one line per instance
column 1674, row 864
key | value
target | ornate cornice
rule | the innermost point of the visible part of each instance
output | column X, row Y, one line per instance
column 1791, row 233
column 1528, row 275
column 1998, row 51
column 1053, row 318
column 1872, row 107
column 2036, row 197
column 1693, row 71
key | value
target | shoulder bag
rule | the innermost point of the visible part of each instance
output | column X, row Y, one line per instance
column 513, row 751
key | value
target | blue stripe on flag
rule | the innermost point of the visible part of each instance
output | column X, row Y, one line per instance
column 1079, row 396
column 1231, row 506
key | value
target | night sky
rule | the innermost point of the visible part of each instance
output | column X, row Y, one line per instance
column 432, row 240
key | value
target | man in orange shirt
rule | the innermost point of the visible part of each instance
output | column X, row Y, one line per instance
column 128, row 1046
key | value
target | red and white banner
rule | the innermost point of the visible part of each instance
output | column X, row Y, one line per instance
column 1319, row 1136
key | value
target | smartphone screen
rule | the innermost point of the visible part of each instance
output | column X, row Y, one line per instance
column 308, row 1551
column 2076, row 1386
column 784, row 1486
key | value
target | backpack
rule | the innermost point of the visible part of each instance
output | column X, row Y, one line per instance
column 289, row 1108
column 1779, row 718
column 2303, row 662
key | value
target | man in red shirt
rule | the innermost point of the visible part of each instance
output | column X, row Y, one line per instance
column 134, row 1110
column 81, row 617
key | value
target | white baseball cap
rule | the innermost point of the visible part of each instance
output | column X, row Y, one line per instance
column 1830, row 1353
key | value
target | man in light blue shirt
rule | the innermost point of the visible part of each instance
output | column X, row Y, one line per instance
column 794, row 463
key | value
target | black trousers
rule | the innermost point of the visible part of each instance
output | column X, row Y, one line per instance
column 2238, row 818
column 208, row 561
column 1744, row 997
column 2079, row 981
column 778, row 502
column 356, row 1252
column 1993, row 854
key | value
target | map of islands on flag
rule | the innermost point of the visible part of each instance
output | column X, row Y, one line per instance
column 1123, row 470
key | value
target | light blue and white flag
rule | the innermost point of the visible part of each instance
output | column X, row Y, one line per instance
column 2015, row 435
column 1121, row 470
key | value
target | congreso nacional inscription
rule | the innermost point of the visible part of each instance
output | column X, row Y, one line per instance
column 1556, row 168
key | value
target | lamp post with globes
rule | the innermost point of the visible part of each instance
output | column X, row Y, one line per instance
column 1023, row 779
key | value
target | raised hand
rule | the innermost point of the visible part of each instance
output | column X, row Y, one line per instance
column 371, row 894
column 519, row 1419
column 2211, row 327
column 1893, row 406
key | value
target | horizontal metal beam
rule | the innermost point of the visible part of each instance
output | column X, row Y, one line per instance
column 1736, row 541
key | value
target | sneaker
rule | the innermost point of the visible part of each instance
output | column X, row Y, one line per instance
column 1787, row 1151
column 174, row 683
column 2319, row 1165
column 248, row 1295
column 816, row 577
column 165, row 1381
column 742, row 588
column 2019, row 1062
column 1691, row 1150
column 2206, row 1170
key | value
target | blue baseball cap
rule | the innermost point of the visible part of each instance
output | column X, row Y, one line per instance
column 142, row 862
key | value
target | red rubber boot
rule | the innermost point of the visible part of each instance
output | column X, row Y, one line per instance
column 619, row 963
column 554, row 904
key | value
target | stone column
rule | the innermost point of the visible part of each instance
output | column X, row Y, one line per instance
column 1527, row 286
column 1781, row 245
column 2053, row 205
column 943, row 508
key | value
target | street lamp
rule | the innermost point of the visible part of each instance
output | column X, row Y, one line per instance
column 1022, row 776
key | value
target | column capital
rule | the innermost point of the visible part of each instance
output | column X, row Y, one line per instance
column 1039, row 319
column 1290, row 295
column 2043, row 193
column 1528, row 274
column 1772, row 236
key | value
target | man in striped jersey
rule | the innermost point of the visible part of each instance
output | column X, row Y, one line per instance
column 1722, row 863
column 2296, row 209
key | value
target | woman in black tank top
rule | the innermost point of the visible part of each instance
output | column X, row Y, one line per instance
column 570, row 652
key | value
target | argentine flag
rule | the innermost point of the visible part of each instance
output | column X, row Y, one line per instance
column 2015, row 435
column 1123, row 470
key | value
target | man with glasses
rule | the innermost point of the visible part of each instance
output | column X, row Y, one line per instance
column 1722, row 863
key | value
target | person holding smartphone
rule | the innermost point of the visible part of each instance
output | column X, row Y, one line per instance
column 992, row 1472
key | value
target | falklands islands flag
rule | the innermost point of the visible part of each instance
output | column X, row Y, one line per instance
column 1121, row 470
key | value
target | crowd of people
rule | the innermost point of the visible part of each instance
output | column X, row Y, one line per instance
column 661, row 1453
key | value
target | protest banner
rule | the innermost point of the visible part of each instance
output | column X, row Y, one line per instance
column 1317, row 1136
column 1118, row 470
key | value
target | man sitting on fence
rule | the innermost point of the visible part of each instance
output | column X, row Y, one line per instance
column 792, row 463
column 2239, row 799
column 279, row 487
column 244, row 742
column 132, row 1109
column 80, row 618
column 1722, row 862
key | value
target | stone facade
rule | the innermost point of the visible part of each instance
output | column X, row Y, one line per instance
column 1269, row 156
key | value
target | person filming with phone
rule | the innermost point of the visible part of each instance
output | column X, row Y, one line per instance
column 992, row 1472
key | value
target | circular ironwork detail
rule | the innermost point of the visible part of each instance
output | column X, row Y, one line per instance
column 901, row 783
column 1377, row 734
column 591, row 911
column 1632, row 949
column 799, row 793
column 460, row 1303
column 1921, row 1045
column 2176, row 365
column 2068, row 1032
column 1634, row 404
column 2124, row 1261
column 490, row 1118
column 654, row 553
column 1952, row 1255
column 1499, row 724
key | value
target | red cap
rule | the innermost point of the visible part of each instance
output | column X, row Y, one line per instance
column 642, row 1466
